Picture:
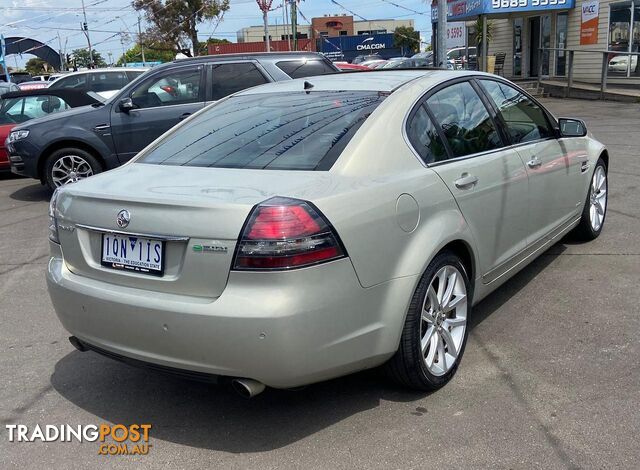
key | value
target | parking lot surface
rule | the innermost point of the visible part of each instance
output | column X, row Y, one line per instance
column 550, row 377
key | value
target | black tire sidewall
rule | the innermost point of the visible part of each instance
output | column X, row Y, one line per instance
column 96, row 167
column 587, row 229
column 443, row 259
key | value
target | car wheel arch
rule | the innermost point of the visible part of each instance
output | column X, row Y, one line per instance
column 60, row 144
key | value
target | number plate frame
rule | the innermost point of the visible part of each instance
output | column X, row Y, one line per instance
column 133, row 269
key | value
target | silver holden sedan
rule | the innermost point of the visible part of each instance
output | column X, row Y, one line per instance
column 303, row 230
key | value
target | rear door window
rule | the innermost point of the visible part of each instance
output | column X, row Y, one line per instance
column 424, row 137
column 464, row 120
column 282, row 131
column 305, row 68
column 230, row 78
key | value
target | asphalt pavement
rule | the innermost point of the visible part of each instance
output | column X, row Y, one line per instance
column 550, row 377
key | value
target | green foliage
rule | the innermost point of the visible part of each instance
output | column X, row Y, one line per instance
column 174, row 24
column 151, row 55
column 407, row 38
column 81, row 57
column 478, row 31
column 37, row 66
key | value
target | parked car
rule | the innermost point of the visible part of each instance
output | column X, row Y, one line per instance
column 303, row 230
column 373, row 63
column 32, row 85
column 20, row 106
column 409, row 63
column 350, row 67
column 105, row 82
column 105, row 137
column 19, row 77
column 365, row 58
column 620, row 63
column 40, row 78
column 6, row 87
column 457, row 56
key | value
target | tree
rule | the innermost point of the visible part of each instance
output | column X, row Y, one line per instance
column 204, row 46
column 174, row 23
column 406, row 38
column 151, row 55
column 81, row 57
column 37, row 66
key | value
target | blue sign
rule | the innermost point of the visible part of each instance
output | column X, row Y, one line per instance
column 347, row 47
column 465, row 9
column 146, row 64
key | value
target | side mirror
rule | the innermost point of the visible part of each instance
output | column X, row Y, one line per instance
column 126, row 105
column 572, row 127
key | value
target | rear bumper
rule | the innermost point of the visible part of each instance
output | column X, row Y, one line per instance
column 283, row 329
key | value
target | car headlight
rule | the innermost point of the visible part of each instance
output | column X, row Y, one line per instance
column 53, row 221
column 18, row 135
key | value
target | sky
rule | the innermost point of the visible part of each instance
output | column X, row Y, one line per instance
column 57, row 22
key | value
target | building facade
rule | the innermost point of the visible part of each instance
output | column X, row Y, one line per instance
column 324, row 26
column 519, row 28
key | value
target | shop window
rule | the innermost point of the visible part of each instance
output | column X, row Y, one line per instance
column 561, row 43
column 517, row 46
column 624, row 36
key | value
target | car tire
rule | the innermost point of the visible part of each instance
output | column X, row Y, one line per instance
column 595, row 206
column 428, row 357
column 69, row 165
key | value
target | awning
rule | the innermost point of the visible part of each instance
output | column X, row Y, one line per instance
column 468, row 9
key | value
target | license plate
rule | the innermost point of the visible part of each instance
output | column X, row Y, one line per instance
column 129, row 253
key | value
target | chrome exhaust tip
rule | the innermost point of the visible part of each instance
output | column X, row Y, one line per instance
column 247, row 388
column 76, row 343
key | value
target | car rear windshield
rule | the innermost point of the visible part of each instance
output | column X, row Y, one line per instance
column 280, row 131
column 305, row 68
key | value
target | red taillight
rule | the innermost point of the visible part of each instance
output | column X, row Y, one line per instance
column 283, row 233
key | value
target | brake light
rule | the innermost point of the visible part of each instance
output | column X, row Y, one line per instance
column 283, row 233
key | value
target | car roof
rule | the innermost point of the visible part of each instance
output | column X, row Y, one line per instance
column 112, row 69
column 383, row 80
column 251, row 55
column 72, row 97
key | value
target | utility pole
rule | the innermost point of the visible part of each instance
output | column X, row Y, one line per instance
column 294, row 24
column 144, row 63
column 124, row 52
column 441, row 39
column 85, row 30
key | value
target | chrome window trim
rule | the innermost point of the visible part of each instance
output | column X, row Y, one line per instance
column 155, row 236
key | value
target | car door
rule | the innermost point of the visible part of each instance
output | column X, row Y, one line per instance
column 487, row 180
column 159, row 103
column 229, row 77
column 552, row 165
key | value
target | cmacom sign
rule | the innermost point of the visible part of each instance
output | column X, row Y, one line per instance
column 347, row 47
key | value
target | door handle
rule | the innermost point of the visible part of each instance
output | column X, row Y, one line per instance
column 466, row 181
column 184, row 116
column 535, row 162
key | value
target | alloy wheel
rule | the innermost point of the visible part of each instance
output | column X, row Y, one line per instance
column 444, row 320
column 598, row 198
column 69, row 169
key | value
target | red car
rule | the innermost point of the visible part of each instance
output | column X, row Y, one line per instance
column 17, row 107
column 350, row 67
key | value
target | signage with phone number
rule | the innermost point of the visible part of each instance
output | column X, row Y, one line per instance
column 464, row 9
